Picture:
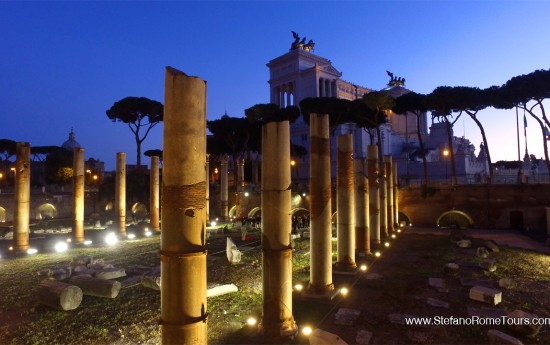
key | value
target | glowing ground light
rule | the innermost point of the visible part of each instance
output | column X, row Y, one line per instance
column 213, row 223
column 31, row 251
column 251, row 321
column 298, row 287
column 307, row 330
column 69, row 240
column 246, row 194
column 111, row 239
column 377, row 254
column 61, row 247
column 363, row 268
column 148, row 233
column 386, row 244
column 398, row 230
column 393, row 236
column 87, row 242
column 303, row 194
column 344, row 291
column 10, row 248
column 131, row 236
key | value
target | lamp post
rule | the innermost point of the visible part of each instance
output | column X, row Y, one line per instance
column 446, row 154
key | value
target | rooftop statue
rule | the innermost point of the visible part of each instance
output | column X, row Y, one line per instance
column 395, row 81
column 301, row 44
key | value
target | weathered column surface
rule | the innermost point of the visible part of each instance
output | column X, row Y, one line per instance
column 120, row 193
column 345, row 198
column 383, row 199
column 183, row 236
column 240, row 174
column 154, row 199
column 320, row 282
column 389, row 192
column 374, row 196
column 78, row 196
column 224, row 193
column 395, row 195
column 362, row 233
column 277, row 319
column 207, row 189
column 22, row 196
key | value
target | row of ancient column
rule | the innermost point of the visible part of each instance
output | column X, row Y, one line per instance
column 22, row 196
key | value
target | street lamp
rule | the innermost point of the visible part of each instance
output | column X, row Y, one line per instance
column 445, row 154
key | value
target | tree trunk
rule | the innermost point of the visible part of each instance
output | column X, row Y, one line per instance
column 451, row 151
column 546, row 158
column 59, row 295
column 473, row 116
column 422, row 153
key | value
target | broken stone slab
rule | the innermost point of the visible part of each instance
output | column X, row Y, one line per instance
column 486, row 295
column 346, row 316
column 438, row 283
column 492, row 246
column 506, row 283
column 486, row 312
column 467, row 281
column 80, row 269
column 363, row 337
column 437, row 303
column 220, row 290
column 320, row 337
column 482, row 252
column 151, row 281
column 500, row 338
column 522, row 322
column 488, row 265
column 464, row 243
column 110, row 273
column 96, row 287
column 130, row 281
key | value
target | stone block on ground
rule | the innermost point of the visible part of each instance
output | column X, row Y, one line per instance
column 438, row 283
column 492, row 246
column 500, row 338
column 451, row 269
column 488, row 265
column 220, row 290
column 151, row 281
column 320, row 337
column 81, row 260
column 486, row 295
column 523, row 323
column 346, row 316
column 482, row 252
column 464, row 243
column 363, row 337
column 96, row 287
column 110, row 273
column 59, row 295
column 506, row 283
column 437, row 303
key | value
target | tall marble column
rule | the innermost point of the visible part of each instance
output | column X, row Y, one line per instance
column 320, row 282
column 389, row 193
column 22, row 196
column 183, row 238
column 154, row 199
column 277, row 319
column 362, row 233
column 345, row 224
column 120, row 193
column 224, row 192
column 374, row 195
column 395, row 195
column 240, row 174
column 383, row 199
column 78, row 196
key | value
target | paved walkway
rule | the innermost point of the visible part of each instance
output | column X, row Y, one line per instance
column 509, row 238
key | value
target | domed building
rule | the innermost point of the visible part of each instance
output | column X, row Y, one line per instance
column 71, row 143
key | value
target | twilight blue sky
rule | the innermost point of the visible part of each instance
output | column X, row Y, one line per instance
column 63, row 64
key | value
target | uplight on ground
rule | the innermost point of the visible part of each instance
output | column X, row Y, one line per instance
column 61, row 247
column 306, row 330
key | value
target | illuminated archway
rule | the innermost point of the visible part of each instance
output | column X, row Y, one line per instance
column 233, row 211
column 253, row 211
column 402, row 219
column 2, row 215
column 46, row 211
column 455, row 219
column 299, row 209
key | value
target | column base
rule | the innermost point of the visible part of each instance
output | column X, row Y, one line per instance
column 326, row 293
column 284, row 330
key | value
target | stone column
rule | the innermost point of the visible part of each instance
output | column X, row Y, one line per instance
column 183, row 238
column 374, row 196
column 320, row 282
column 224, row 192
column 154, row 199
column 345, row 192
column 240, row 174
column 362, row 234
column 120, row 193
column 22, row 197
column 277, row 319
column 78, row 196
column 383, row 200
column 207, row 171
column 395, row 195
column 389, row 192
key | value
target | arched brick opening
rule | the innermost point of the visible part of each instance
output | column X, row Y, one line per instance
column 455, row 219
